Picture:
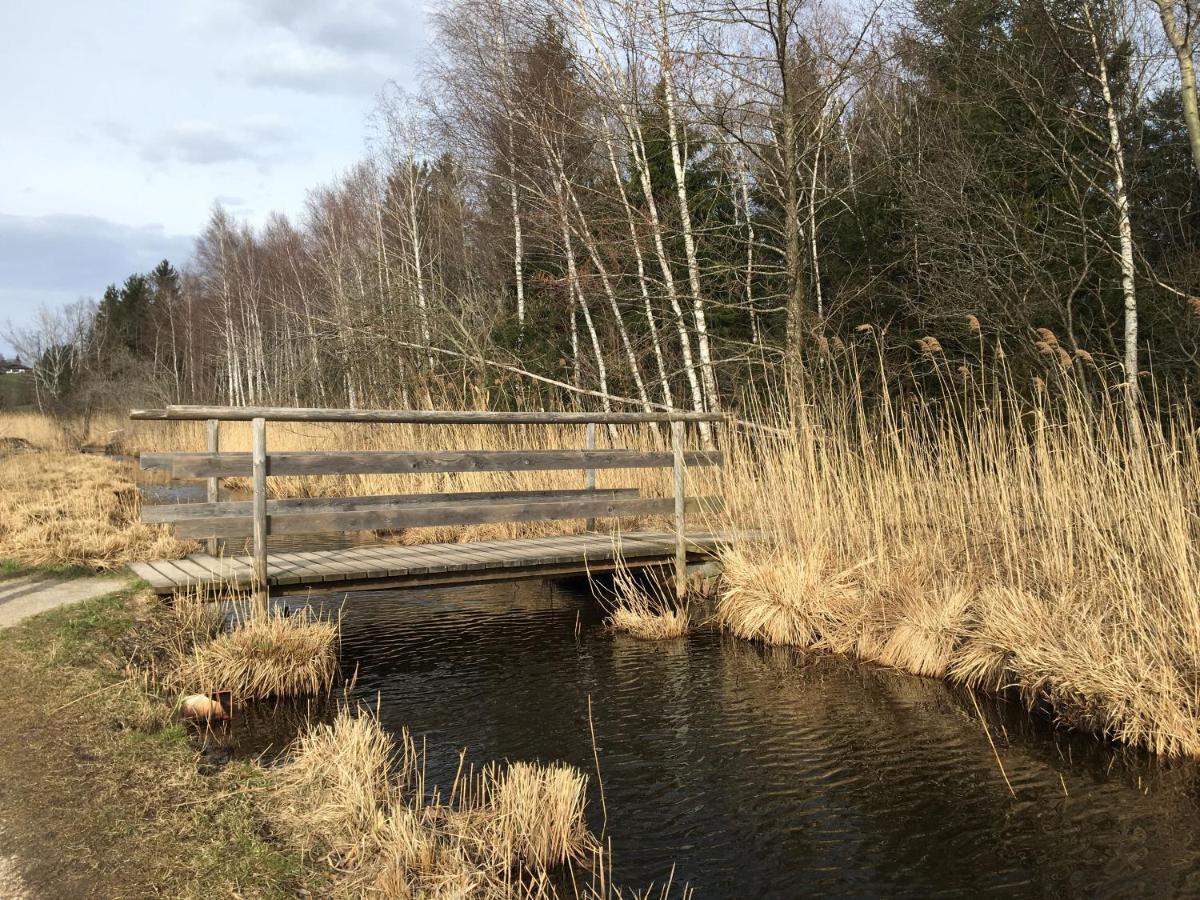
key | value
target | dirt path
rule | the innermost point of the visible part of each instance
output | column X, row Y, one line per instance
column 27, row 595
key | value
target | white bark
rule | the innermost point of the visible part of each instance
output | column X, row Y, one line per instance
column 635, row 241
column 638, row 158
column 685, row 217
column 1181, row 42
column 1120, row 200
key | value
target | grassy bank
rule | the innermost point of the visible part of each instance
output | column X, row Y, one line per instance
column 99, row 768
column 1040, row 548
column 102, row 795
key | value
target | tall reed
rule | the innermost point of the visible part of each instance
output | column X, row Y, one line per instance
column 1046, row 546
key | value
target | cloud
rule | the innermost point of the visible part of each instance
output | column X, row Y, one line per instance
column 204, row 143
column 345, row 47
column 69, row 255
column 257, row 140
column 312, row 71
column 349, row 26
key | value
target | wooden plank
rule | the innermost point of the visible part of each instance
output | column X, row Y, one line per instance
column 152, row 576
column 169, row 570
column 367, row 567
column 230, row 567
column 178, row 512
column 414, row 417
column 462, row 513
column 226, row 465
column 392, row 563
column 299, row 568
column 589, row 476
column 680, row 510
column 199, row 574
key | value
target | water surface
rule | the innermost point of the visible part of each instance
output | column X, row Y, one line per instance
column 763, row 773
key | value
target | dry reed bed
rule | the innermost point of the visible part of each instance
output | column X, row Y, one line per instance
column 1049, row 552
column 263, row 656
column 68, row 509
column 192, row 645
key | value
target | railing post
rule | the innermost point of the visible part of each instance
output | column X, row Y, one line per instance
column 261, row 593
column 589, row 476
column 214, row 484
column 680, row 548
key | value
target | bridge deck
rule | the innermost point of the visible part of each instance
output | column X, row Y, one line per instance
column 367, row 568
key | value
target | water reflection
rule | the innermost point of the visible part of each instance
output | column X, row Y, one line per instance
column 769, row 773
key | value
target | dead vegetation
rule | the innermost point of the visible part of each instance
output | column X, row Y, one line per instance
column 1052, row 552
column 643, row 606
column 195, row 645
column 263, row 656
column 64, row 509
column 350, row 794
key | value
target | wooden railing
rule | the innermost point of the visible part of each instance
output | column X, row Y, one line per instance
column 260, row 517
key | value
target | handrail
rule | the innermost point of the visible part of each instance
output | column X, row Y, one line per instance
column 413, row 416
column 589, row 459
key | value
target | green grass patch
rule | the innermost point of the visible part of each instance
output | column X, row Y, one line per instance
column 64, row 570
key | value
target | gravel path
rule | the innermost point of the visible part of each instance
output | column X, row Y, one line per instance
column 27, row 595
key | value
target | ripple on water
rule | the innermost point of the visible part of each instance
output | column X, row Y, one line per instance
column 768, row 773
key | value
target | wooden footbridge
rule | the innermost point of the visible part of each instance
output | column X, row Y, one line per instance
column 372, row 567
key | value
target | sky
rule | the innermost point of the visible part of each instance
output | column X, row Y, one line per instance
column 124, row 123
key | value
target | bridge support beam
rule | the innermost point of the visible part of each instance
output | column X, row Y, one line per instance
column 214, row 484
column 680, row 542
column 258, row 427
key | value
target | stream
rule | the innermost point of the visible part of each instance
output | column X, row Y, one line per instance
column 769, row 772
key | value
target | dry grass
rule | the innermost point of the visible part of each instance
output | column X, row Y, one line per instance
column 644, row 607
column 349, row 793
column 331, row 789
column 265, row 655
column 63, row 509
column 1042, row 549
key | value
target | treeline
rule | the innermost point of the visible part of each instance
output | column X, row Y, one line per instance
column 640, row 204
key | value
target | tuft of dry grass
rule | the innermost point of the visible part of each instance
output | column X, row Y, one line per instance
column 332, row 786
column 64, row 509
column 1043, row 547
column 349, row 792
column 526, row 816
column 644, row 608
column 265, row 655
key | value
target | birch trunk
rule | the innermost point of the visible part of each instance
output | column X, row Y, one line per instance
column 577, row 291
column 636, row 243
column 638, row 157
column 1181, row 43
column 1120, row 200
column 685, row 217
column 589, row 242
